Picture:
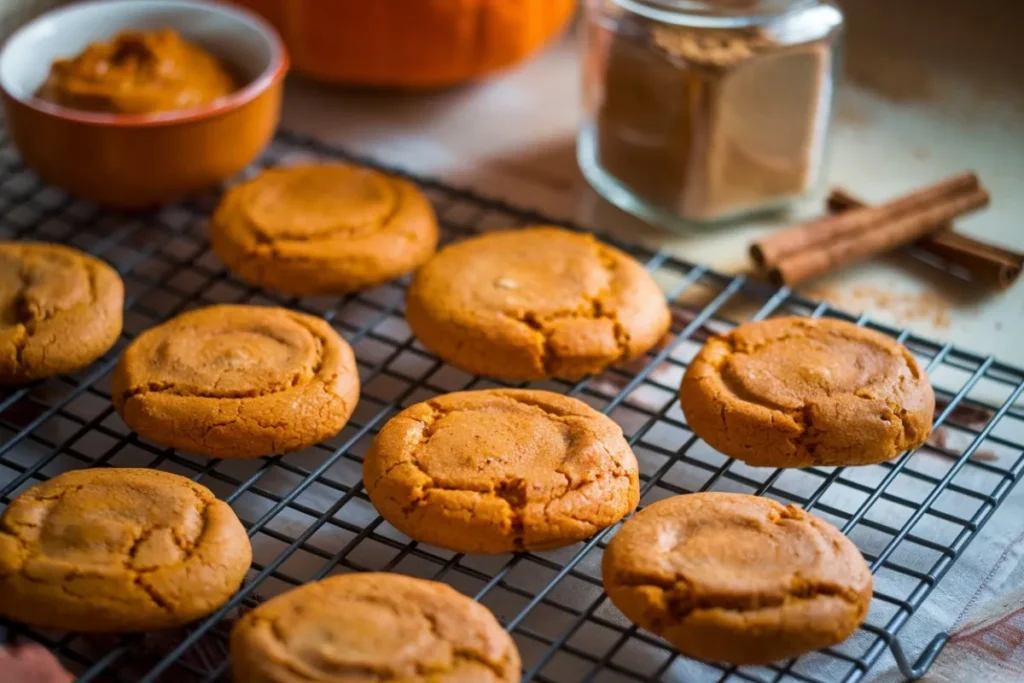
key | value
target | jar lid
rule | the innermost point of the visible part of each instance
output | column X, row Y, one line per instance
column 716, row 13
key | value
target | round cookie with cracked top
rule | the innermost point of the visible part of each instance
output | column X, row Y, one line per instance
column 498, row 471
column 323, row 229
column 738, row 579
column 364, row 628
column 237, row 382
column 118, row 551
column 798, row 392
column 60, row 309
column 534, row 303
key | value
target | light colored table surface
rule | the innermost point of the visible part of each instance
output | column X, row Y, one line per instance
column 917, row 105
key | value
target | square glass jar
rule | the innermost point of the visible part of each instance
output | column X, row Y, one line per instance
column 702, row 111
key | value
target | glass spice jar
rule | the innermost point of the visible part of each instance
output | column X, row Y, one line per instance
column 698, row 111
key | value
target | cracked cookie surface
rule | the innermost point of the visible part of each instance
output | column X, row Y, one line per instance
column 237, row 382
column 798, row 392
column 60, row 309
column 534, row 303
column 501, row 470
column 735, row 578
column 323, row 229
column 363, row 628
column 118, row 550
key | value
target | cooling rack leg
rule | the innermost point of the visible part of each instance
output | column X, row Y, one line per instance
column 919, row 668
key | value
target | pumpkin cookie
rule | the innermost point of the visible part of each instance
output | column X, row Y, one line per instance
column 796, row 392
column 118, row 550
column 372, row 627
column 501, row 470
column 323, row 229
column 535, row 303
column 237, row 382
column 738, row 579
column 60, row 309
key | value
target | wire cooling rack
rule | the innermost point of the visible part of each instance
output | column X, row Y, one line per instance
column 309, row 517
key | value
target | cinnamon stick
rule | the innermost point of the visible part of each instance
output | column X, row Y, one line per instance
column 985, row 263
column 889, row 230
column 820, row 233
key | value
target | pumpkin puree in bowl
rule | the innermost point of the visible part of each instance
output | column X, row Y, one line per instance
column 138, row 73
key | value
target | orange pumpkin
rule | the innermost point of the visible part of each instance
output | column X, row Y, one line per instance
column 411, row 43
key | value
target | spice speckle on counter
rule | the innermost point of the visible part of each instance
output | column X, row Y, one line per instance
column 905, row 308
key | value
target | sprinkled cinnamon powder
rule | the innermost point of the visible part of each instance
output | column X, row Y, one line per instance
column 905, row 308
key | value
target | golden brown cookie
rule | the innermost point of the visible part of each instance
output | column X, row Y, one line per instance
column 323, row 229
column 60, row 309
column 501, row 470
column 738, row 579
column 534, row 303
column 797, row 392
column 237, row 382
column 369, row 628
column 118, row 550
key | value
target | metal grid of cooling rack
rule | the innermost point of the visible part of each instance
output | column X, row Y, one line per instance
column 308, row 516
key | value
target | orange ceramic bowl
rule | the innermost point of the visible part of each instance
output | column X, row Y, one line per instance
column 138, row 161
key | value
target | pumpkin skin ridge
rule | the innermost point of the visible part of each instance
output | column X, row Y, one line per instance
column 428, row 44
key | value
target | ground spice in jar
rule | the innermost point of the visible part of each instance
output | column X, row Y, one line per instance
column 708, row 123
